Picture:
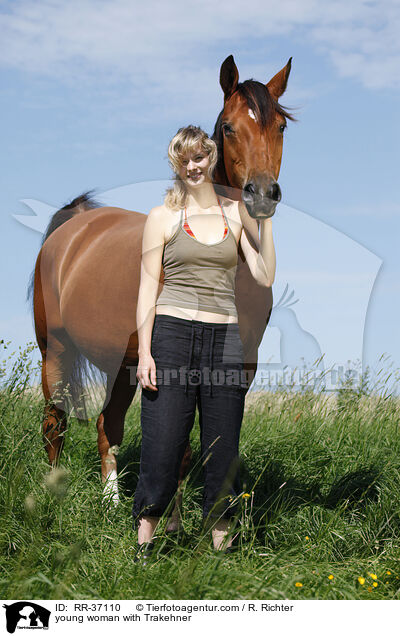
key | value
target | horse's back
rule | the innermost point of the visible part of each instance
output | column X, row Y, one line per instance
column 109, row 223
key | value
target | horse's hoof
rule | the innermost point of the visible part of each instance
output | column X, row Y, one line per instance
column 110, row 499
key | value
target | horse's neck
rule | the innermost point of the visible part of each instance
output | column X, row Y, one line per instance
column 222, row 185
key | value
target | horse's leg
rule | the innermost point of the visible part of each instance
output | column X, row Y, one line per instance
column 57, row 361
column 110, row 428
column 250, row 367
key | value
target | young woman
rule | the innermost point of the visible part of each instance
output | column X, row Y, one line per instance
column 190, row 350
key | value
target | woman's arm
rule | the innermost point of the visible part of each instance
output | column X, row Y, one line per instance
column 258, row 250
column 152, row 250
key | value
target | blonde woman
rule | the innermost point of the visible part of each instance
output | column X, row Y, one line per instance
column 190, row 352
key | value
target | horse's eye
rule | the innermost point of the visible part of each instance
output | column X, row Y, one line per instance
column 282, row 128
column 227, row 129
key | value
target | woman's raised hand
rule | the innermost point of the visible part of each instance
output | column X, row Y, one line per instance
column 146, row 372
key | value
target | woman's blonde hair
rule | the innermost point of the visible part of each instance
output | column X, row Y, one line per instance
column 184, row 142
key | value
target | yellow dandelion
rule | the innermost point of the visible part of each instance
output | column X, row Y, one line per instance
column 373, row 576
column 388, row 572
column 375, row 584
column 298, row 584
column 307, row 538
column 361, row 580
column 245, row 495
column 330, row 577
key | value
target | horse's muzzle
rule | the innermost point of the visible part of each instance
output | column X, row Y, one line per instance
column 261, row 197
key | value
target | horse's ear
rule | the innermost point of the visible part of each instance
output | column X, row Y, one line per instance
column 228, row 77
column 277, row 85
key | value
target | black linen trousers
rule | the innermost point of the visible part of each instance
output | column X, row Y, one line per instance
column 197, row 363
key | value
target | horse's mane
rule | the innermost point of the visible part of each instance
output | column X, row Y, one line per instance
column 260, row 101
column 217, row 136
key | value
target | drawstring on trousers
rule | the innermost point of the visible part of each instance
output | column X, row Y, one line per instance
column 190, row 359
column 210, row 359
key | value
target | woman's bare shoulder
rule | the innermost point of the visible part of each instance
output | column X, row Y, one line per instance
column 163, row 211
column 231, row 208
column 158, row 212
column 162, row 216
column 165, row 219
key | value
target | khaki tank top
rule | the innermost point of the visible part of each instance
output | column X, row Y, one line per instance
column 197, row 275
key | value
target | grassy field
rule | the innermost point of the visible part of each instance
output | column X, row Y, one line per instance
column 320, row 507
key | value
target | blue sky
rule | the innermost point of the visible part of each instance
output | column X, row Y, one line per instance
column 91, row 93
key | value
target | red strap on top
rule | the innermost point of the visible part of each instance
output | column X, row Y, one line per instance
column 187, row 229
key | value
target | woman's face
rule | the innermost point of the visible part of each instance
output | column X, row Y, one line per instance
column 194, row 167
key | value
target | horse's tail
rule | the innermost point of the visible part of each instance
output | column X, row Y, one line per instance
column 87, row 388
column 80, row 204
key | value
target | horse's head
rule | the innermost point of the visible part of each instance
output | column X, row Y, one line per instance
column 249, row 135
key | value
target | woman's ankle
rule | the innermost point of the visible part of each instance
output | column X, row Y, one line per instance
column 221, row 536
column 146, row 529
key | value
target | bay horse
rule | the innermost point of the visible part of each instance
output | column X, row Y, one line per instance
column 86, row 278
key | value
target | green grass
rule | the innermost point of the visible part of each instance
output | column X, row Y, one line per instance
column 322, row 477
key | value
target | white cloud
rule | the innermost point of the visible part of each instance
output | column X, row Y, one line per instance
column 365, row 44
column 156, row 44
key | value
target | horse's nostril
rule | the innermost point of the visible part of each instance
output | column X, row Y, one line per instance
column 249, row 187
column 274, row 192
